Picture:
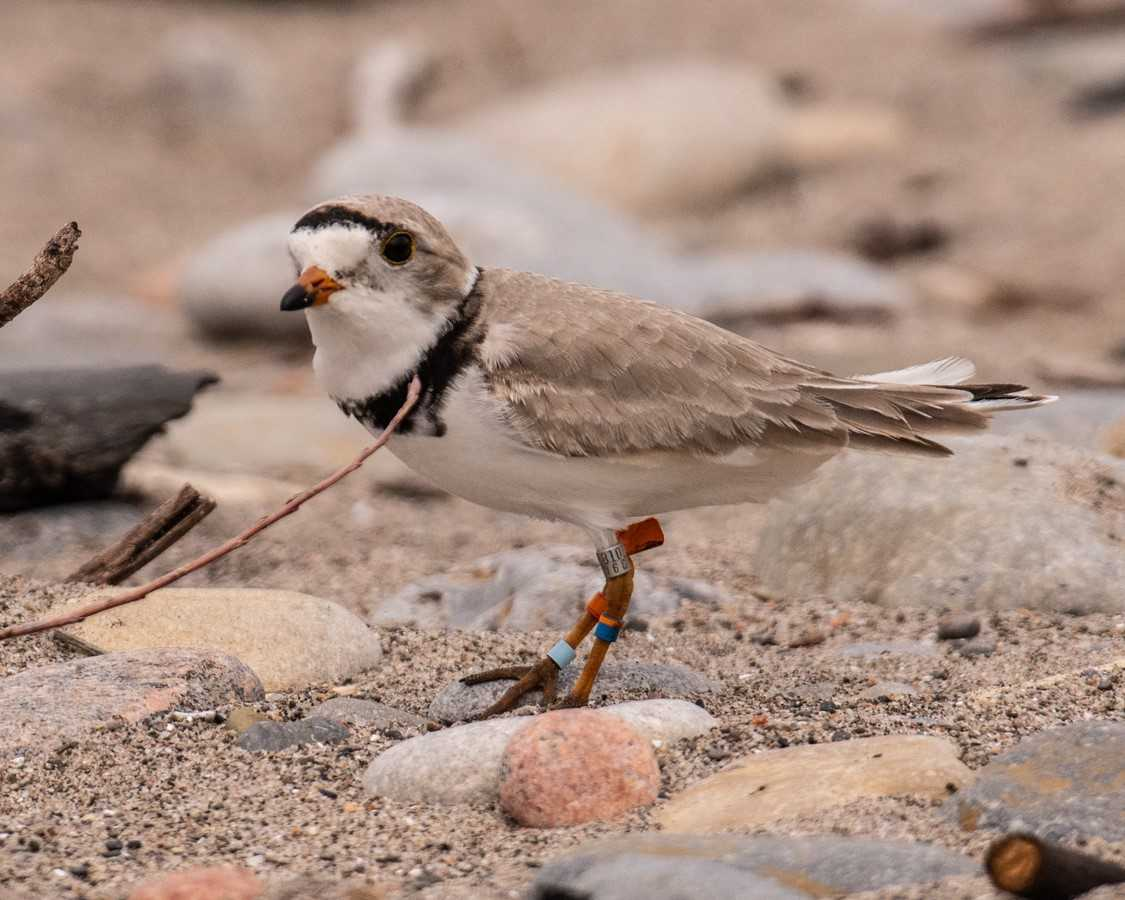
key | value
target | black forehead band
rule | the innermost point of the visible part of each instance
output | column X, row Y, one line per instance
column 323, row 216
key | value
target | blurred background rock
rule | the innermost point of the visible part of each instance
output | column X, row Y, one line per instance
column 862, row 185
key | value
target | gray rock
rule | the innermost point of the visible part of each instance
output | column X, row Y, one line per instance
column 633, row 875
column 503, row 216
column 1083, row 418
column 354, row 711
column 733, row 866
column 270, row 737
column 41, row 706
column 290, row 640
column 1060, row 783
column 231, row 287
column 462, row 764
column 90, row 330
column 959, row 532
column 457, row 702
column 532, row 589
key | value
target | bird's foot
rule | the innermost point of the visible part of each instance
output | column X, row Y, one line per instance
column 544, row 676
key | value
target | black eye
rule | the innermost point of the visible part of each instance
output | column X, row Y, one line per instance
column 398, row 248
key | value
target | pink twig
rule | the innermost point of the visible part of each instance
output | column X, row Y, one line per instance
column 290, row 507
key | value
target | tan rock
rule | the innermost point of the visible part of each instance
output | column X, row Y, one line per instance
column 1114, row 439
column 799, row 780
column 574, row 766
column 219, row 883
column 645, row 137
column 289, row 639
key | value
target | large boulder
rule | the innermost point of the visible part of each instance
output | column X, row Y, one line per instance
column 1005, row 523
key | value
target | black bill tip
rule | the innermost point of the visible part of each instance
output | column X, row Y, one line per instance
column 297, row 297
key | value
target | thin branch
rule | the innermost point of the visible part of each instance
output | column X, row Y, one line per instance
column 159, row 530
column 48, row 268
column 290, row 507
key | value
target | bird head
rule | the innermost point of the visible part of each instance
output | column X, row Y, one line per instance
column 362, row 254
column 379, row 280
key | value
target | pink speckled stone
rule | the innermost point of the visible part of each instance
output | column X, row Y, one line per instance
column 576, row 765
column 202, row 884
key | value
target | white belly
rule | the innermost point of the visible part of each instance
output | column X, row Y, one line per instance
column 480, row 459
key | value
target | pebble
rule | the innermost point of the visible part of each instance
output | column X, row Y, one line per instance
column 458, row 702
column 574, row 766
column 289, row 639
column 354, row 711
column 46, row 704
column 964, row 625
column 273, row 736
column 531, row 589
column 863, row 530
column 669, row 867
column 797, row 780
column 462, row 764
column 242, row 717
column 226, row 883
column 1060, row 783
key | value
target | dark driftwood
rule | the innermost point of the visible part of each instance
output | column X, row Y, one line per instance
column 161, row 528
column 47, row 268
column 66, row 433
column 1027, row 866
column 1046, row 16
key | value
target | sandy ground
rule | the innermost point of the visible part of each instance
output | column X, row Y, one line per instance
column 188, row 795
column 1027, row 193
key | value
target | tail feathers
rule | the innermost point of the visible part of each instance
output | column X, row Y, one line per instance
column 902, row 411
column 989, row 398
column 951, row 370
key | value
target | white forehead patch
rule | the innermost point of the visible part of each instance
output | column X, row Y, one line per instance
column 334, row 248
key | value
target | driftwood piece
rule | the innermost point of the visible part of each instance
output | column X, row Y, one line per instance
column 1046, row 16
column 239, row 540
column 1029, row 867
column 159, row 530
column 47, row 268
column 66, row 433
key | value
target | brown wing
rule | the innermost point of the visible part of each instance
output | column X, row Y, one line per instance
column 585, row 372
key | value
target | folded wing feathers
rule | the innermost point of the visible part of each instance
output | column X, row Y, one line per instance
column 624, row 377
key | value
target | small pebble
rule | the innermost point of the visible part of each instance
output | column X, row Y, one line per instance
column 959, row 626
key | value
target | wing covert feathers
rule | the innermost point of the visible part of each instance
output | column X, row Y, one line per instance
column 584, row 372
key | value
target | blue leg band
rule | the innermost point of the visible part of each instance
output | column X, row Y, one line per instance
column 607, row 633
column 562, row 654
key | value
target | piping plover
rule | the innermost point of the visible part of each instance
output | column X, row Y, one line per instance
column 576, row 404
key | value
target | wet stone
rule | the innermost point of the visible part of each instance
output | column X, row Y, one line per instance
column 273, row 736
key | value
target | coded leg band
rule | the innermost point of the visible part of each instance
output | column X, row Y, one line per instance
column 605, row 631
column 614, row 561
column 562, row 654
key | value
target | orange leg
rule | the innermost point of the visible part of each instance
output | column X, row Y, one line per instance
column 608, row 606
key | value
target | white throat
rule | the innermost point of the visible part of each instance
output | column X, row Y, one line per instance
column 365, row 343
